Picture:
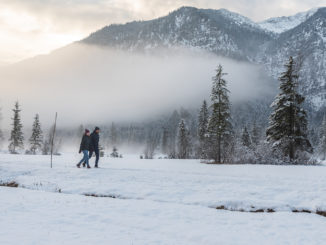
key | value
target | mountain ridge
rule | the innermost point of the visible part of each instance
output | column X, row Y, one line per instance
column 232, row 35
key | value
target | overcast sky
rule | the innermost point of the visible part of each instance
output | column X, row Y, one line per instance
column 31, row 27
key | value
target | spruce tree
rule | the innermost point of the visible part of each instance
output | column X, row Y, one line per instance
column 245, row 138
column 16, row 136
column 255, row 134
column 183, row 141
column 46, row 146
column 173, row 131
column 287, row 131
column 203, row 129
column 165, row 138
column 219, row 125
column 113, row 135
column 36, row 139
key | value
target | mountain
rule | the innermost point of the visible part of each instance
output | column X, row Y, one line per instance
column 285, row 23
column 268, row 43
column 219, row 31
column 308, row 40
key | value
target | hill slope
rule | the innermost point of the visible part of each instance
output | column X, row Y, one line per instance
column 225, row 33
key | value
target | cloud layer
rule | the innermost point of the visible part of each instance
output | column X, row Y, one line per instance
column 92, row 85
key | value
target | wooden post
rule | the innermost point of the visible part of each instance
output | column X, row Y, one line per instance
column 53, row 134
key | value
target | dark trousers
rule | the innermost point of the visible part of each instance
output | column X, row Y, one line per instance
column 97, row 155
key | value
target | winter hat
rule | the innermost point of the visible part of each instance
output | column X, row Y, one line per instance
column 86, row 131
column 97, row 128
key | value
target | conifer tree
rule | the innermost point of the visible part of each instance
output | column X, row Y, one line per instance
column 153, row 139
column 219, row 125
column 203, row 130
column 245, row 138
column 165, row 138
column 183, row 141
column 131, row 134
column 113, row 135
column 16, row 136
column 322, row 144
column 36, row 139
column 255, row 134
column 46, row 146
column 173, row 131
column 287, row 129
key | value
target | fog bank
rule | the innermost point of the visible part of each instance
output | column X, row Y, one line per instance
column 87, row 84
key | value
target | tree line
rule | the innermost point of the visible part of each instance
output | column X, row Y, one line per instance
column 286, row 137
column 38, row 143
column 211, row 134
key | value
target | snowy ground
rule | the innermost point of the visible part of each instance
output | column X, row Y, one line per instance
column 158, row 202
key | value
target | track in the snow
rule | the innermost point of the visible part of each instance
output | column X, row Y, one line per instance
column 221, row 207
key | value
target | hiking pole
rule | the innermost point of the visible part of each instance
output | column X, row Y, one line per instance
column 53, row 133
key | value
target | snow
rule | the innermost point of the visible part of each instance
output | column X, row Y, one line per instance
column 158, row 202
column 237, row 18
column 179, row 20
column 285, row 23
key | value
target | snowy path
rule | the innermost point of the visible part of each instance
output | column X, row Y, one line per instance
column 167, row 202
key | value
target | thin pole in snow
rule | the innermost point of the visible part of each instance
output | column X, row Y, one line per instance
column 53, row 133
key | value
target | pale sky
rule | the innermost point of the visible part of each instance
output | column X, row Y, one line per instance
column 32, row 27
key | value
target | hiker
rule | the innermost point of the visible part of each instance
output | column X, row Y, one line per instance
column 84, row 147
column 94, row 146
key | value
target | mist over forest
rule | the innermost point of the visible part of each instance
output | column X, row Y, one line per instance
column 87, row 84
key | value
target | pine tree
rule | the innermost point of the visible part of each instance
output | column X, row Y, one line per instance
column 46, row 146
column 219, row 125
column 153, row 139
column 173, row 131
column 36, row 139
column 131, row 135
column 203, row 129
column 255, row 134
column 113, row 135
column 183, row 141
column 245, row 138
column 165, row 139
column 287, row 129
column 322, row 144
column 17, row 137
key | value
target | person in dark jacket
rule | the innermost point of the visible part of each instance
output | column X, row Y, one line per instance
column 94, row 147
column 84, row 148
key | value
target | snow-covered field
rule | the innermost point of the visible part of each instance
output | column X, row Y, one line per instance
column 158, row 202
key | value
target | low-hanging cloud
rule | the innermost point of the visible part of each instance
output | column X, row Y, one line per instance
column 87, row 84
